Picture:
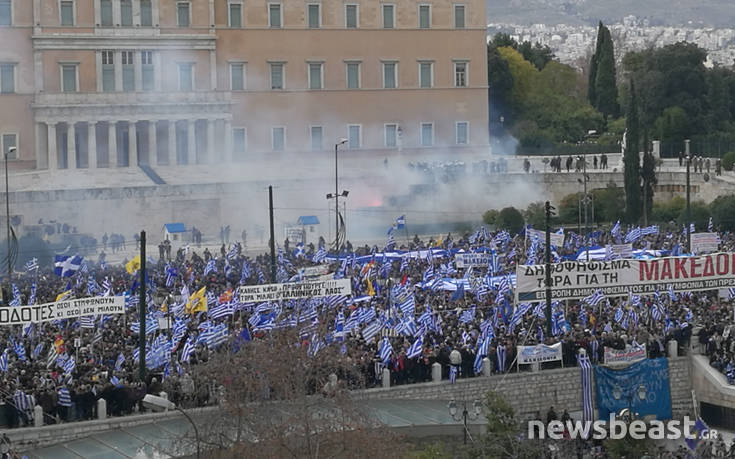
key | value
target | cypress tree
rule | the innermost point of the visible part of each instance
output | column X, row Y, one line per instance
column 592, row 82
column 606, row 91
column 631, row 161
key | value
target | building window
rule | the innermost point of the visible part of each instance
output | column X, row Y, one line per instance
column 66, row 10
column 390, row 75
column 427, row 134
column 182, row 14
column 459, row 17
column 313, row 15
column 424, row 16
column 235, row 12
column 462, row 133
column 460, row 74
column 315, row 75
column 391, row 135
column 10, row 141
column 239, row 143
column 106, row 13
column 278, row 138
column 128, row 71
column 7, row 78
column 126, row 13
column 146, row 13
column 316, row 138
column 276, row 69
column 388, row 16
column 69, row 78
column 352, row 16
column 108, row 71
column 354, row 136
column 6, row 13
column 186, row 77
column 426, row 74
column 353, row 75
column 274, row 15
column 237, row 76
column 146, row 61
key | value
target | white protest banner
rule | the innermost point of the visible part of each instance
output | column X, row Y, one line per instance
column 539, row 353
column 466, row 260
column 704, row 243
column 20, row 315
column 576, row 279
column 294, row 290
column 314, row 271
column 624, row 357
column 621, row 250
column 557, row 240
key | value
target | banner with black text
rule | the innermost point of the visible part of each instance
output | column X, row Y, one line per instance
column 21, row 315
column 294, row 290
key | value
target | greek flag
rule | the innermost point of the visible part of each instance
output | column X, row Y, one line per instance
column 87, row 321
column 416, row 349
column 391, row 243
column 51, row 357
column 385, row 351
column 633, row 235
column 210, row 267
column 710, row 226
column 16, row 296
column 653, row 229
column 400, row 222
column 37, row 350
column 500, row 352
column 408, row 305
column 66, row 265
column 4, row 361
column 339, row 326
column 691, row 228
column 467, row 315
column 582, row 316
column 221, row 311
column 232, row 254
column 106, row 286
column 32, row 264
column 585, row 368
column 170, row 275
column 119, row 362
column 404, row 263
column 320, row 255
column 618, row 315
column 69, row 365
column 217, row 336
column 187, row 350
column 493, row 266
column 595, row 298
column 32, row 296
column 615, row 230
column 64, row 397
column 406, row 327
column 371, row 330
column 657, row 312
column 452, row 374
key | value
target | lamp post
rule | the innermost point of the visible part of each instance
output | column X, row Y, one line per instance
column 7, row 212
column 629, row 394
column 336, row 196
column 688, row 223
column 465, row 414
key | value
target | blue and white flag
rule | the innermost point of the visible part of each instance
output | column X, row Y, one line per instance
column 710, row 226
column 69, row 365
column 585, row 367
column 4, row 361
column 633, row 235
column 16, row 296
column 615, row 230
column 119, row 362
column 37, row 350
column 596, row 298
column 452, row 373
column 211, row 267
column 66, row 265
column 385, row 351
column 467, row 315
column 32, row 264
column 416, row 349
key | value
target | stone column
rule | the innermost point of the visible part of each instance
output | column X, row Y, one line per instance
column 71, row 146
column 227, row 156
column 171, row 152
column 41, row 156
column 112, row 143
column 191, row 154
column 152, row 143
column 92, row 144
column 132, row 144
column 53, row 158
column 211, row 157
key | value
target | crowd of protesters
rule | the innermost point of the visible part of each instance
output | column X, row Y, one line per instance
column 35, row 367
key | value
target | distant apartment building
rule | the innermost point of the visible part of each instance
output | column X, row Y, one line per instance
column 115, row 83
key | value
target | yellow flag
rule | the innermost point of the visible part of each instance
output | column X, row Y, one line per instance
column 133, row 265
column 439, row 242
column 370, row 290
column 63, row 295
column 197, row 302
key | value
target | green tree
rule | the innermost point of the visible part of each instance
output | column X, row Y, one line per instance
column 536, row 54
column 648, row 174
column 535, row 215
column 592, row 80
column 673, row 126
column 569, row 208
column 505, row 435
column 700, row 214
column 500, row 85
column 609, row 203
column 669, row 211
column 510, row 219
column 723, row 212
column 490, row 217
column 606, row 90
column 631, row 161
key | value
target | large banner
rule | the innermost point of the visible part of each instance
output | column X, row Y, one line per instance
column 295, row 290
column 557, row 240
column 621, row 250
column 539, row 353
column 466, row 260
column 704, row 243
column 623, row 388
column 576, row 279
column 20, row 315
column 615, row 357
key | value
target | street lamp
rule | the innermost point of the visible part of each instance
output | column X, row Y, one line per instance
column 466, row 414
column 585, row 201
column 7, row 211
column 336, row 194
column 630, row 394
column 688, row 223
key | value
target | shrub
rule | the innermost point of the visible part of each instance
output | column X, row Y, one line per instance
column 728, row 160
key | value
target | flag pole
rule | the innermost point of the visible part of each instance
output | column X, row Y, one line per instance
column 142, row 310
column 273, row 236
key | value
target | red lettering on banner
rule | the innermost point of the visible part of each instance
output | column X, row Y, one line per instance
column 694, row 268
column 680, row 269
column 721, row 264
column 648, row 270
column 709, row 269
column 666, row 269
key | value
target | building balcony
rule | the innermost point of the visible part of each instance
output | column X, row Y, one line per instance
column 131, row 105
